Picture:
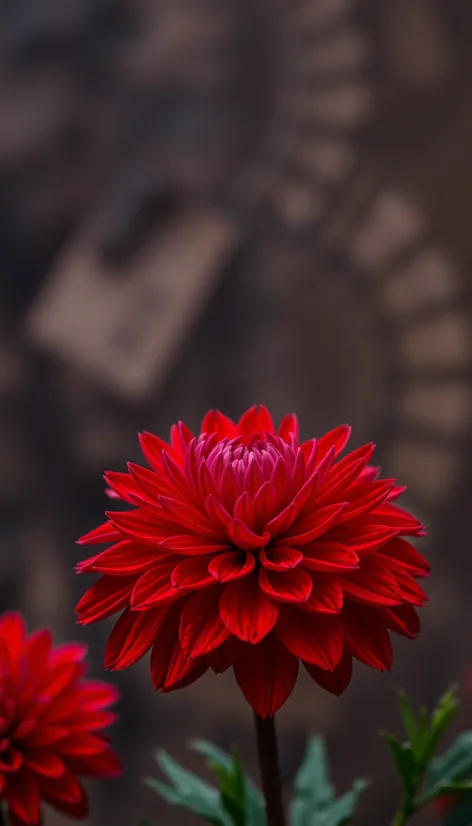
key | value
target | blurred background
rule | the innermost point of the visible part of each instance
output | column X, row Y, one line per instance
column 212, row 203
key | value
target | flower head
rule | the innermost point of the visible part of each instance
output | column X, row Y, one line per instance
column 245, row 547
column 50, row 724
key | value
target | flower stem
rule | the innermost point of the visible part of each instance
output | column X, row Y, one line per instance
column 269, row 766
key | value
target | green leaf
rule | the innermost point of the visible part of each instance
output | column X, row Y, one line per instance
column 216, row 757
column 233, row 792
column 236, row 787
column 340, row 811
column 403, row 756
column 408, row 718
column 441, row 719
column 314, row 802
column 452, row 766
column 312, row 777
column 189, row 791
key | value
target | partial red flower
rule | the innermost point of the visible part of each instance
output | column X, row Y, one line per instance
column 245, row 547
column 51, row 722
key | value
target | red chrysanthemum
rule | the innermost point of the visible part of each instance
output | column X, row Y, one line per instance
column 247, row 548
column 50, row 724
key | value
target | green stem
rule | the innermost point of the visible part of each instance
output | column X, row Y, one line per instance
column 269, row 767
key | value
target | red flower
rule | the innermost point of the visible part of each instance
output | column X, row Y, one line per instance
column 50, row 722
column 247, row 548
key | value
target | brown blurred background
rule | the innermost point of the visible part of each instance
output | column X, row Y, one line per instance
column 216, row 203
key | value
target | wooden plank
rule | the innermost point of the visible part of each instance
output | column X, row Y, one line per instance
column 124, row 327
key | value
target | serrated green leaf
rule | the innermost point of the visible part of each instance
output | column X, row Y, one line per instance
column 454, row 765
column 313, row 803
column 312, row 777
column 189, row 791
column 231, row 777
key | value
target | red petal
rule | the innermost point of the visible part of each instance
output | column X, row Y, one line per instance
column 404, row 522
column 265, row 504
column 255, row 420
column 231, row 565
column 285, row 519
column 337, row 438
column 372, row 583
column 207, row 485
column 328, row 556
column 150, row 484
column 45, row 764
column 106, row 596
column 192, row 545
column 22, row 796
column 410, row 591
column 201, row 628
column 123, row 559
column 226, row 655
column 170, row 668
column 316, row 639
column 362, row 540
column 286, row 586
column 104, row 533
column 314, row 525
column 288, row 427
column 12, row 634
column 366, row 637
column 37, row 650
column 400, row 555
column 246, row 611
column 183, row 671
column 217, row 512
column 334, row 681
column 244, row 509
column 253, row 479
column 132, row 636
column 342, row 475
column 326, row 596
column 189, row 517
column 192, row 573
column 216, row 422
column 244, row 538
column 122, row 485
column 167, row 641
column 106, row 764
column 280, row 558
column 403, row 619
column 152, row 447
column 137, row 525
column 266, row 674
column 154, row 587
column 367, row 498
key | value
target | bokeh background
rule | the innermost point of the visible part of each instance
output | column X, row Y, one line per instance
column 221, row 202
